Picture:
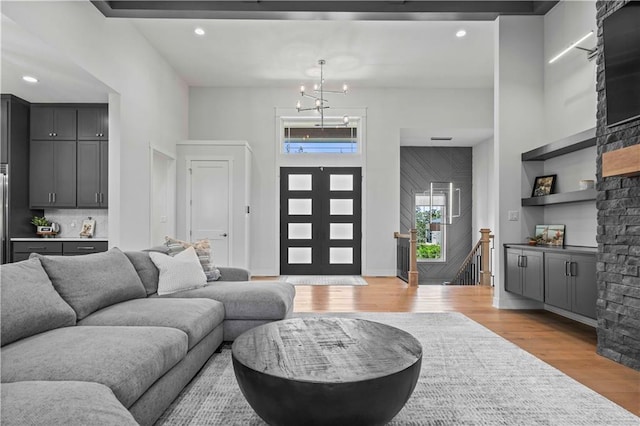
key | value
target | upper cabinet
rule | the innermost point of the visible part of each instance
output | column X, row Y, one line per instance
column 69, row 156
column 53, row 123
column 93, row 123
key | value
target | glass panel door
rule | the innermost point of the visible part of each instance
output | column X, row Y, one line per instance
column 320, row 220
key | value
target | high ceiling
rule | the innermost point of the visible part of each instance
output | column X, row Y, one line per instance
column 379, row 44
column 261, row 53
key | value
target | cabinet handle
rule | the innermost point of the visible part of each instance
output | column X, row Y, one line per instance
column 36, row 248
column 49, row 200
column 55, row 134
column 96, row 197
column 571, row 269
column 97, row 134
column 101, row 194
column 566, row 269
column 519, row 263
column 524, row 261
column 54, row 197
column 85, row 248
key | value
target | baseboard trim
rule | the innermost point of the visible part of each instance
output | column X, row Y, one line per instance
column 572, row 315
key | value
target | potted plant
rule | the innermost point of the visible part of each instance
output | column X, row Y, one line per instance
column 43, row 225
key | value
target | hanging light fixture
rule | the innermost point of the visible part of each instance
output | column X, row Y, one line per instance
column 319, row 102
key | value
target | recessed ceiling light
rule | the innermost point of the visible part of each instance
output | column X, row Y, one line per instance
column 461, row 33
column 199, row 31
column 29, row 79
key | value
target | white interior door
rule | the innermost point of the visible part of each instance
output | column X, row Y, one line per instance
column 209, row 206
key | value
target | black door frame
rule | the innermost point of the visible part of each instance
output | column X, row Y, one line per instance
column 320, row 219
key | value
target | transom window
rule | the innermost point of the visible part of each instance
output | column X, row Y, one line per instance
column 307, row 137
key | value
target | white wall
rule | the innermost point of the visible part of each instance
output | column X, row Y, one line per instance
column 148, row 105
column 570, row 98
column 483, row 188
column 519, row 127
column 249, row 114
column 570, row 101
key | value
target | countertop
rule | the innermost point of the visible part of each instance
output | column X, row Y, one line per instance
column 566, row 249
column 59, row 239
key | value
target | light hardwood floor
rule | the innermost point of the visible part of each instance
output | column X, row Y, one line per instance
column 567, row 345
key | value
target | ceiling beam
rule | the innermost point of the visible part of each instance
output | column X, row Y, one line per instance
column 318, row 10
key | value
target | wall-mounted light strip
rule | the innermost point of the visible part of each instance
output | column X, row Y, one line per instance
column 559, row 55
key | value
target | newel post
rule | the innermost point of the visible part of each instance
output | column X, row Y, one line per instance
column 485, row 248
column 413, row 262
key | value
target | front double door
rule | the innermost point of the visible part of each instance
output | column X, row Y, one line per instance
column 320, row 220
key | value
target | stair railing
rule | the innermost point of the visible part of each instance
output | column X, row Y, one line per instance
column 407, row 263
column 476, row 267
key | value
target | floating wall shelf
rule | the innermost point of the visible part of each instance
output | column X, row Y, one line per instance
column 563, row 198
column 569, row 144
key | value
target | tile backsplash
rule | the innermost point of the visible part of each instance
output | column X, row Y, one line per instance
column 70, row 221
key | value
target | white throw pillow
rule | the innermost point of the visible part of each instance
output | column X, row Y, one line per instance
column 180, row 272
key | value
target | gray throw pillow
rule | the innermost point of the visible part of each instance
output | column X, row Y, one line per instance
column 30, row 305
column 93, row 281
column 146, row 269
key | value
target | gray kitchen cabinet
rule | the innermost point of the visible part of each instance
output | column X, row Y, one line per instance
column 52, row 178
column 92, row 177
column 570, row 282
column 53, row 122
column 50, row 247
column 525, row 273
column 93, row 123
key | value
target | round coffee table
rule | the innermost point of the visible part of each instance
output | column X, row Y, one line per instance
column 326, row 371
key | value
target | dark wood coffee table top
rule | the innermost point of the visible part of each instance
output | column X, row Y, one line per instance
column 327, row 350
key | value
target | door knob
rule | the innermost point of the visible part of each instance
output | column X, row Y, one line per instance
column 223, row 235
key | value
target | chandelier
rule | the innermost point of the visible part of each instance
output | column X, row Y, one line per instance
column 320, row 103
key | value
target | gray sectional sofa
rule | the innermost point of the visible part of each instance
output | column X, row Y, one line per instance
column 86, row 339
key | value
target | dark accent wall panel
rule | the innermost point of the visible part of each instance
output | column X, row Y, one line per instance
column 419, row 166
column 618, row 235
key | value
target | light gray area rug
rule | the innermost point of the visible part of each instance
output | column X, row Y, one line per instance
column 324, row 279
column 469, row 376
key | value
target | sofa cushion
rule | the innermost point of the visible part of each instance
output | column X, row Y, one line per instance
column 196, row 317
column 181, row 272
column 93, row 281
column 126, row 359
column 30, row 304
column 146, row 269
column 203, row 250
column 270, row 300
column 62, row 403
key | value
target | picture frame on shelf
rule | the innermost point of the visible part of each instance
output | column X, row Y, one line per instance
column 543, row 185
column 550, row 235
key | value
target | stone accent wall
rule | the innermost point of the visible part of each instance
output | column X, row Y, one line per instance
column 618, row 235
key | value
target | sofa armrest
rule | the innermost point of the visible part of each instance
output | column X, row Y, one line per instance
column 233, row 274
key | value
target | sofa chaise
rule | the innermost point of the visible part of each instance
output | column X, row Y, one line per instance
column 87, row 339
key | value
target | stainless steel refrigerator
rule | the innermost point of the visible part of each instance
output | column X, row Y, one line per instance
column 5, row 248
